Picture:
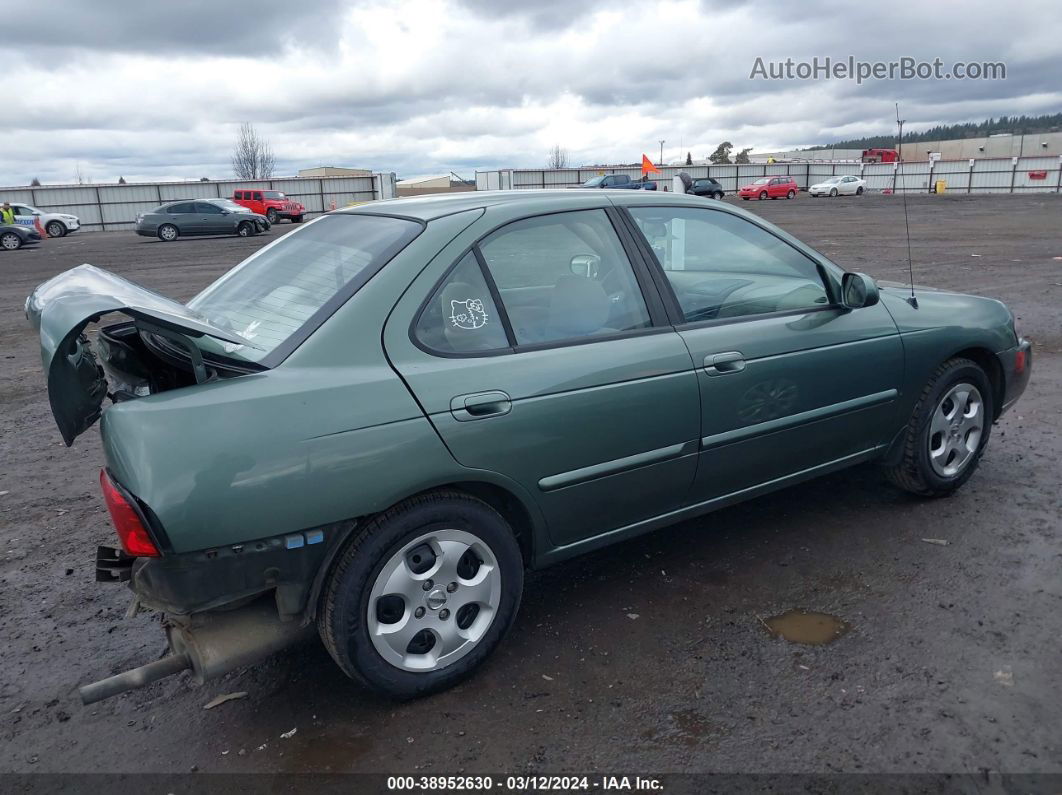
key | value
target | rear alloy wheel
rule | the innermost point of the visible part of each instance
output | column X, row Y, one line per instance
column 271, row 214
column 10, row 241
column 833, row 192
column 55, row 229
column 947, row 432
column 422, row 595
column 168, row 233
column 763, row 195
column 245, row 229
column 791, row 194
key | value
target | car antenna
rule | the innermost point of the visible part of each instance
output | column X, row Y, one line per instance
column 907, row 224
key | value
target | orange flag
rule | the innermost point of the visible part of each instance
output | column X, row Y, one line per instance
column 647, row 165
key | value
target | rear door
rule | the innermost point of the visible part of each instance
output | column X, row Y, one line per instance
column 791, row 383
column 540, row 350
column 182, row 215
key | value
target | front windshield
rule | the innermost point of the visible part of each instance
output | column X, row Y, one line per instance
column 274, row 194
column 593, row 182
column 832, row 180
column 273, row 293
column 762, row 181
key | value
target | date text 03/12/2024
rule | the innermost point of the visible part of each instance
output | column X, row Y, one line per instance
column 523, row 783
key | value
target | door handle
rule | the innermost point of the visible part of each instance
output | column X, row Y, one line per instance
column 724, row 363
column 480, row 405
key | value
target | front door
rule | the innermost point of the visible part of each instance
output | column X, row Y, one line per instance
column 542, row 353
column 791, row 382
column 212, row 219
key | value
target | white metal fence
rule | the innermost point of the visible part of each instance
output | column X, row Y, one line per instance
column 110, row 207
column 989, row 175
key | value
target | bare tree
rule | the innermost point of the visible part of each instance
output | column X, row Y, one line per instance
column 558, row 157
column 79, row 177
column 252, row 156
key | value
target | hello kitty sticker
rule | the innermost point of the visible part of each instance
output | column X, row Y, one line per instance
column 468, row 314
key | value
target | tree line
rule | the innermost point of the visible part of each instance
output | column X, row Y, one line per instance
column 1023, row 125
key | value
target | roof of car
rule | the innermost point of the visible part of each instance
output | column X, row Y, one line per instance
column 437, row 205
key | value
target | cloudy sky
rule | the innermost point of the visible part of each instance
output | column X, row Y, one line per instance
column 158, row 90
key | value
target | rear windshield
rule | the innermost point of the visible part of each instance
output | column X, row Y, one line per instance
column 275, row 292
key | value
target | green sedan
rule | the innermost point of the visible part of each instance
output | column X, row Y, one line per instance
column 369, row 429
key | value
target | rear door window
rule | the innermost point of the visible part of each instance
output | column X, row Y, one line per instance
column 564, row 276
column 461, row 316
column 186, row 207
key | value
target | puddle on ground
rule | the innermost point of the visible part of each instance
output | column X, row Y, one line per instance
column 811, row 629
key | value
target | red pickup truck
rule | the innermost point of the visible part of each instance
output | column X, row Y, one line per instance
column 273, row 204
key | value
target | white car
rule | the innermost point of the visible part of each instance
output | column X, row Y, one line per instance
column 839, row 186
column 55, row 224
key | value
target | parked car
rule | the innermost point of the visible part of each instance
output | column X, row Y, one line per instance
column 273, row 204
column 55, row 224
column 769, row 187
column 622, row 181
column 371, row 427
column 847, row 185
column 169, row 221
column 15, row 236
column 706, row 186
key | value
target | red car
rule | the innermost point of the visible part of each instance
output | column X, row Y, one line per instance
column 773, row 187
column 273, row 204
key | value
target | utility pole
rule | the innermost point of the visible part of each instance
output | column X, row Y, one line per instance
column 662, row 152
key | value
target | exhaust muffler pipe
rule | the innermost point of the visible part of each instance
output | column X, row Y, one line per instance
column 210, row 645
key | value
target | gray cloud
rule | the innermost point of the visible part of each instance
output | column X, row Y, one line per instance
column 222, row 27
column 418, row 86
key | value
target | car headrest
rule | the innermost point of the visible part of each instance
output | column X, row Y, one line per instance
column 577, row 307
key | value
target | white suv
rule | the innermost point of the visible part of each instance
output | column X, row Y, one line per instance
column 55, row 224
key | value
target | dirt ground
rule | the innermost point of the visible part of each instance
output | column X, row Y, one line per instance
column 650, row 656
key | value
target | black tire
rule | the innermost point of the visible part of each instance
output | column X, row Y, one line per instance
column 791, row 194
column 168, row 233
column 296, row 219
column 717, row 196
column 859, row 191
column 914, row 472
column 833, row 193
column 55, row 229
column 343, row 610
column 271, row 214
column 245, row 229
column 9, row 241
column 763, row 195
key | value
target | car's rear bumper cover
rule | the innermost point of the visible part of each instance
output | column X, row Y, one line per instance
column 194, row 582
column 1017, row 367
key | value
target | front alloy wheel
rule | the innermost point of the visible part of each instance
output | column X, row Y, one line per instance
column 271, row 214
column 955, row 429
column 10, row 241
column 55, row 229
column 763, row 195
column 947, row 432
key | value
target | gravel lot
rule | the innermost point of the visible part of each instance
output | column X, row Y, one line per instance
column 651, row 656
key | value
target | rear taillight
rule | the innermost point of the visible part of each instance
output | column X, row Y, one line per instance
column 131, row 531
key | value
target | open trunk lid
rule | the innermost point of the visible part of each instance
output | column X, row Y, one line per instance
column 61, row 307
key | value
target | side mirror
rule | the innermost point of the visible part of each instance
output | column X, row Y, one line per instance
column 858, row 290
column 585, row 265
